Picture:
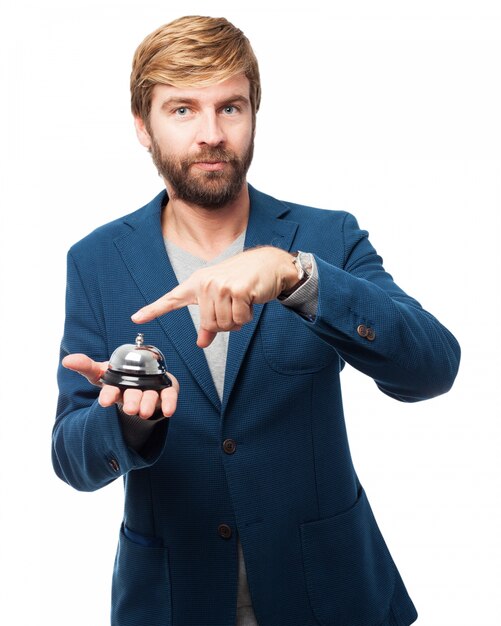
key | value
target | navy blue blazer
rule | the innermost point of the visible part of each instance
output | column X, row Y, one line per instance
column 313, row 551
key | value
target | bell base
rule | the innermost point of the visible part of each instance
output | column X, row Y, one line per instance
column 143, row 383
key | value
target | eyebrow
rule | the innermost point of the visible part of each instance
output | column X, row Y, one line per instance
column 176, row 100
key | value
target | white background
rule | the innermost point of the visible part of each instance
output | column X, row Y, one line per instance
column 390, row 110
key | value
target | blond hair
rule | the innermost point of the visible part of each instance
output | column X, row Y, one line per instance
column 192, row 51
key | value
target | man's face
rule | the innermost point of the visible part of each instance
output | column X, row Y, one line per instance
column 201, row 140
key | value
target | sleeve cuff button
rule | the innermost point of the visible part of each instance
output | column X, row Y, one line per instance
column 113, row 463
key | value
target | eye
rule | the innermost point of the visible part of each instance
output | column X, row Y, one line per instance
column 182, row 111
column 230, row 109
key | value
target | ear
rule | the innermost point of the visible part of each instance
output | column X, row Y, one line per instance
column 141, row 132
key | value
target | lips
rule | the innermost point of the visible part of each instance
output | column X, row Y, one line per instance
column 210, row 166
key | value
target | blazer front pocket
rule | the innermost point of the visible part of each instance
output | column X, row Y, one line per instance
column 350, row 574
column 141, row 584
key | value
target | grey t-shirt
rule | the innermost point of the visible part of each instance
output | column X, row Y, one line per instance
column 184, row 264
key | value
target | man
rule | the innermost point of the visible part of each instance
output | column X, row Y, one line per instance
column 244, row 508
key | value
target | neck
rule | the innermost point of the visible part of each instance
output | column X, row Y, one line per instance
column 205, row 232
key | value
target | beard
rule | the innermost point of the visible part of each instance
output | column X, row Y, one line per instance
column 210, row 190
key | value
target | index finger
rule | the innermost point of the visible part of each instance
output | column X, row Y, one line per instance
column 177, row 298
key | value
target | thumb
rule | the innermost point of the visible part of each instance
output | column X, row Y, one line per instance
column 205, row 338
column 85, row 366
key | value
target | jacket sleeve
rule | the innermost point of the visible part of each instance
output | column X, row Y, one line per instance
column 89, row 449
column 379, row 329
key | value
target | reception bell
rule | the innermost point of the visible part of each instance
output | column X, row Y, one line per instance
column 137, row 366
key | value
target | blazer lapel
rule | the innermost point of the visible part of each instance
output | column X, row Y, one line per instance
column 266, row 227
column 143, row 251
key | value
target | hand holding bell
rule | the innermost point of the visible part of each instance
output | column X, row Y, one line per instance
column 135, row 378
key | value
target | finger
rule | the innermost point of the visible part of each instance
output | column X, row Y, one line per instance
column 109, row 395
column 180, row 296
column 205, row 338
column 207, row 313
column 242, row 312
column 84, row 365
column 148, row 405
column 169, row 397
column 174, row 381
column 132, row 400
column 208, row 327
column 223, row 313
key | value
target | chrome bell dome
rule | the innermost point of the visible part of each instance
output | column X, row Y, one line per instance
column 137, row 366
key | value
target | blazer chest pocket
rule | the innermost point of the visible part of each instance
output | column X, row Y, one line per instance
column 350, row 575
column 141, row 586
column 289, row 346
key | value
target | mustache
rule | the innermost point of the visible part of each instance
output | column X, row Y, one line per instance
column 207, row 155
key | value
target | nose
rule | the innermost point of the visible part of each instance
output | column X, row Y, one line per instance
column 210, row 131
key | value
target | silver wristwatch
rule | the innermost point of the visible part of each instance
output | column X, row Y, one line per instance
column 303, row 264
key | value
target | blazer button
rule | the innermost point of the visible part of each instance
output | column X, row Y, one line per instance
column 113, row 463
column 224, row 531
column 362, row 330
column 229, row 446
column 371, row 334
